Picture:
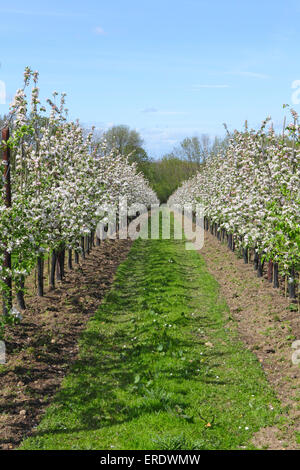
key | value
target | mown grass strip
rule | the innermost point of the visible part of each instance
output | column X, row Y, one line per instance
column 160, row 367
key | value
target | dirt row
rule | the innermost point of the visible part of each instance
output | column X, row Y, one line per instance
column 267, row 323
column 41, row 349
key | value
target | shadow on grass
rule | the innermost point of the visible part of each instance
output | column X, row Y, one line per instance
column 133, row 362
column 107, row 367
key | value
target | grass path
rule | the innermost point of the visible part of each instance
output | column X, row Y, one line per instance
column 159, row 367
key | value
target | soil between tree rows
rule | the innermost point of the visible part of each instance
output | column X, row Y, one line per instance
column 41, row 349
column 268, row 324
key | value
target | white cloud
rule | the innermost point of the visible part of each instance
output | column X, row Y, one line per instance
column 160, row 140
column 99, row 126
column 2, row 92
column 99, row 31
column 162, row 113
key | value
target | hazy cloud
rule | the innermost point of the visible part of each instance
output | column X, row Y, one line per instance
column 160, row 140
column 99, row 31
column 166, row 113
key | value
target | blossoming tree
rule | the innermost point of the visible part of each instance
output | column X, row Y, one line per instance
column 250, row 193
column 57, row 184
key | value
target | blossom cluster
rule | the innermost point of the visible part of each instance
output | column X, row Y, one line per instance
column 58, row 181
column 251, row 189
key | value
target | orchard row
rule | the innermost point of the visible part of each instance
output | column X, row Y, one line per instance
column 251, row 197
column 58, row 185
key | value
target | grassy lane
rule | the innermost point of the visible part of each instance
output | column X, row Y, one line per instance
column 160, row 367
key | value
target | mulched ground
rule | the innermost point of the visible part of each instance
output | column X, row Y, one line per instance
column 268, row 326
column 41, row 349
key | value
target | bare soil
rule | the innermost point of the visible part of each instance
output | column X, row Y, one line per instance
column 267, row 323
column 41, row 349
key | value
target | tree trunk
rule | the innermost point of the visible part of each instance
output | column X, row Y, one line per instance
column 59, row 268
column 53, row 268
column 62, row 256
column 87, row 244
column 259, row 267
column 40, row 269
column 20, row 294
column 255, row 262
column 70, row 265
column 229, row 241
column 82, row 248
column 270, row 271
column 275, row 276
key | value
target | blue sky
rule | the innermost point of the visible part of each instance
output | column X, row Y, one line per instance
column 167, row 68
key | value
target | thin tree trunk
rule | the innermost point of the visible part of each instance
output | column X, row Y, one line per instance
column 20, row 294
column 60, row 273
column 53, row 268
column 259, row 267
column 70, row 265
column 82, row 248
column 270, row 271
column 255, row 260
column 40, row 269
column 229, row 241
column 58, row 267
column 275, row 276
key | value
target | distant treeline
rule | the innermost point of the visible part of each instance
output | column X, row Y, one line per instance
column 167, row 173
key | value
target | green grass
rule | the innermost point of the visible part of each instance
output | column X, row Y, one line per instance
column 160, row 367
